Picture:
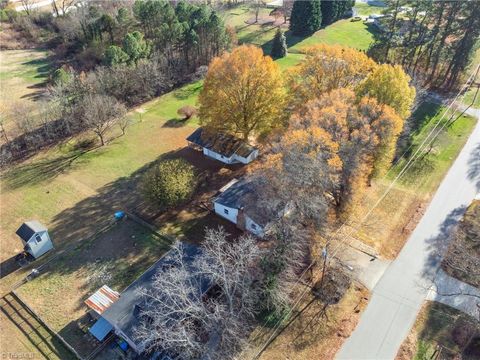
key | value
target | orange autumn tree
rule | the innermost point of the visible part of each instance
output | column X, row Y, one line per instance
column 327, row 67
column 243, row 93
column 365, row 132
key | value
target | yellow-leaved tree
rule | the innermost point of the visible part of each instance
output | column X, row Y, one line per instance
column 390, row 85
column 327, row 67
column 243, row 93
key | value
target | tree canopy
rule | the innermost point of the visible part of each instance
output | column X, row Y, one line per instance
column 169, row 183
column 306, row 17
column 243, row 93
column 390, row 86
column 279, row 45
column 327, row 67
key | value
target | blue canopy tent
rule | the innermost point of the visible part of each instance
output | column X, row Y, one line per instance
column 101, row 329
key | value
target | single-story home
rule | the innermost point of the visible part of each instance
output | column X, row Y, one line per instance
column 124, row 315
column 35, row 238
column 237, row 203
column 222, row 147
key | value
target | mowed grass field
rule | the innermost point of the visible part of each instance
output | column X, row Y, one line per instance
column 22, row 74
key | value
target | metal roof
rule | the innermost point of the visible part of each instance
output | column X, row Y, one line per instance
column 102, row 299
column 100, row 329
column 221, row 143
column 29, row 228
column 124, row 314
column 241, row 194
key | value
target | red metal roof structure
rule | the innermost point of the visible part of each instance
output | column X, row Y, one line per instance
column 102, row 299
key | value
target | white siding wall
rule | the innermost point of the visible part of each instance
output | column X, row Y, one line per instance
column 253, row 227
column 232, row 213
column 39, row 248
column 217, row 156
column 253, row 155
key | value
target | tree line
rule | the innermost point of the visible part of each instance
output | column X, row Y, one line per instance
column 433, row 40
column 309, row 16
column 130, row 54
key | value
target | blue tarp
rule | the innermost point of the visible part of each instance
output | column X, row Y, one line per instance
column 101, row 329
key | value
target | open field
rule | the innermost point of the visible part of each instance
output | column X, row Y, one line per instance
column 442, row 332
column 392, row 221
column 22, row 74
column 115, row 257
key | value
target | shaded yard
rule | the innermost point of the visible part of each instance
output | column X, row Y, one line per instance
column 442, row 332
column 395, row 218
column 116, row 257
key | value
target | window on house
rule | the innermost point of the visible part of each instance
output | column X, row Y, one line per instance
column 38, row 238
column 225, row 211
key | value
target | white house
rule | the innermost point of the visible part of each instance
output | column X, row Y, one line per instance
column 222, row 147
column 35, row 238
column 236, row 203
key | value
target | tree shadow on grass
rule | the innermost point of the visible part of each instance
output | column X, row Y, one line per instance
column 175, row 123
column 438, row 244
column 42, row 170
column 474, row 167
column 80, row 223
column 188, row 91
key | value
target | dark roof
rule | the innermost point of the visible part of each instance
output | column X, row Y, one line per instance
column 29, row 228
column 125, row 313
column 222, row 143
column 242, row 194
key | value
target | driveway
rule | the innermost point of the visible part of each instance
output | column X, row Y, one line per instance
column 400, row 293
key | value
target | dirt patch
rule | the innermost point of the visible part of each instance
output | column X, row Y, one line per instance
column 115, row 257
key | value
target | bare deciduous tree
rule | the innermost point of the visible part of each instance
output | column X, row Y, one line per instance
column 100, row 112
column 197, row 324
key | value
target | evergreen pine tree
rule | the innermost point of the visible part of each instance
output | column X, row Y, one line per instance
column 329, row 11
column 306, row 17
column 279, row 46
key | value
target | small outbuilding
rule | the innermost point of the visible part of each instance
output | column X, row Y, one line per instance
column 35, row 238
column 222, row 147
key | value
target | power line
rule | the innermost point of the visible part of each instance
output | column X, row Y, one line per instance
column 410, row 162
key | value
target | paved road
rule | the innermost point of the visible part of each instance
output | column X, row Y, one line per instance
column 399, row 294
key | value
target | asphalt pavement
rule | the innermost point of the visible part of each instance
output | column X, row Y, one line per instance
column 399, row 294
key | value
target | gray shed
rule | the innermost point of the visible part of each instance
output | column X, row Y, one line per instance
column 35, row 238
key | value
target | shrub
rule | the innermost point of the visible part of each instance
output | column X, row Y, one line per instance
column 170, row 183
column 187, row 111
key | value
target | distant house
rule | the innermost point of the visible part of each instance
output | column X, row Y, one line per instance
column 222, row 147
column 236, row 203
column 125, row 314
column 35, row 238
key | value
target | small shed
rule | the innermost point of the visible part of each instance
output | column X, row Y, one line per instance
column 35, row 238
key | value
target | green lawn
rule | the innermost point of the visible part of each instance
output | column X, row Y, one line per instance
column 343, row 32
column 433, row 162
column 364, row 9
